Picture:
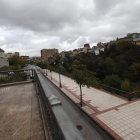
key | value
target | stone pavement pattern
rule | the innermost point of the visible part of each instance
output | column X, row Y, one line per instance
column 118, row 116
column 20, row 117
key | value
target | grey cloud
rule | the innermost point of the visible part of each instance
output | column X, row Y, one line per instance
column 39, row 15
column 32, row 25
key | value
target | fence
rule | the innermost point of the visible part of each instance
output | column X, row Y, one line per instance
column 115, row 91
column 135, row 95
column 16, row 76
column 59, row 125
column 123, row 94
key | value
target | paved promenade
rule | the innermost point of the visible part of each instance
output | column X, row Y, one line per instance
column 20, row 117
column 118, row 116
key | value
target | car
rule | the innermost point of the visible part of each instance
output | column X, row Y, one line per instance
column 10, row 73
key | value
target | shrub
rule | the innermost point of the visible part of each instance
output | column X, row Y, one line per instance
column 113, row 81
column 125, row 85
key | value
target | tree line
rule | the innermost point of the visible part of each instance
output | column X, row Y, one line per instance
column 117, row 66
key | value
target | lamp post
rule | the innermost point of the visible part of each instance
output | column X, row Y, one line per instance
column 59, row 75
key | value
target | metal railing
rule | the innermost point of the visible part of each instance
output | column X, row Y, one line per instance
column 117, row 92
column 123, row 94
column 59, row 125
column 135, row 95
column 16, row 76
column 114, row 91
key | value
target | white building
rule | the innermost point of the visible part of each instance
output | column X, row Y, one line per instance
column 3, row 61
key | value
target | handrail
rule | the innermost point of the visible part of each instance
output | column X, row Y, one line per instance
column 58, row 122
column 110, row 88
column 14, row 76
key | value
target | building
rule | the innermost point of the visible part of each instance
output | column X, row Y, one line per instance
column 35, row 59
column 3, row 61
column 86, row 46
column 17, row 54
column 24, row 57
column 126, row 39
column 136, row 39
column 1, row 53
column 8, row 55
column 52, row 58
column 75, row 51
column 99, row 44
column 46, row 53
column 64, row 53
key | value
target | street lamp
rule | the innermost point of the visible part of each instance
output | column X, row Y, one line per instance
column 59, row 75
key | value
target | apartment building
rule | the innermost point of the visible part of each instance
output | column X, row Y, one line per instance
column 25, row 57
column 3, row 61
column 46, row 53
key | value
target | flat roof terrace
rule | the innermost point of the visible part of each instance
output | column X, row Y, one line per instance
column 20, row 116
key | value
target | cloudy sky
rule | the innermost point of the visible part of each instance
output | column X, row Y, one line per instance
column 28, row 26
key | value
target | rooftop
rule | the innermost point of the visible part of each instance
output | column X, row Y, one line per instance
column 20, row 116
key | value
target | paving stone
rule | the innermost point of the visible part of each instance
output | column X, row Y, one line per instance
column 120, row 117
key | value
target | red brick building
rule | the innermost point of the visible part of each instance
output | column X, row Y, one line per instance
column 86, row 46
column 25, row 57
column 99, row 44
column 46, row 53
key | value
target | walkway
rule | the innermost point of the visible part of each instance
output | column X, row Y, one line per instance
column 118, row 116
column 20, row 117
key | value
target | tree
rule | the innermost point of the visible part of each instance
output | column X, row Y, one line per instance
column 113, row 81
column 51, row 69
column 16, row 61
column 42, row 65
column 110, row 66
column 125, row 85
column 83, row 77
column 135, row 72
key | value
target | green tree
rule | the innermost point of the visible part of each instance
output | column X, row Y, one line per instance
column 17, row 61
column 51, row 69
column 125, row 85
column 135, row 72
column 113, row 81
column 83, row 77
column 110, row 66
column 42, row 65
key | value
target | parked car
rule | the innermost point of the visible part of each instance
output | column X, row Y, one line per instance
column 10, row 73
column 31, row 75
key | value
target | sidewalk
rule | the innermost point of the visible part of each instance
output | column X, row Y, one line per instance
column 118, row 116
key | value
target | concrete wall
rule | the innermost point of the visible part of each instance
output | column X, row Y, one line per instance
column 1, row 54
column 4, row 62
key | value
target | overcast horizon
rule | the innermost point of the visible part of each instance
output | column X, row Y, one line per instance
column 27, row 26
